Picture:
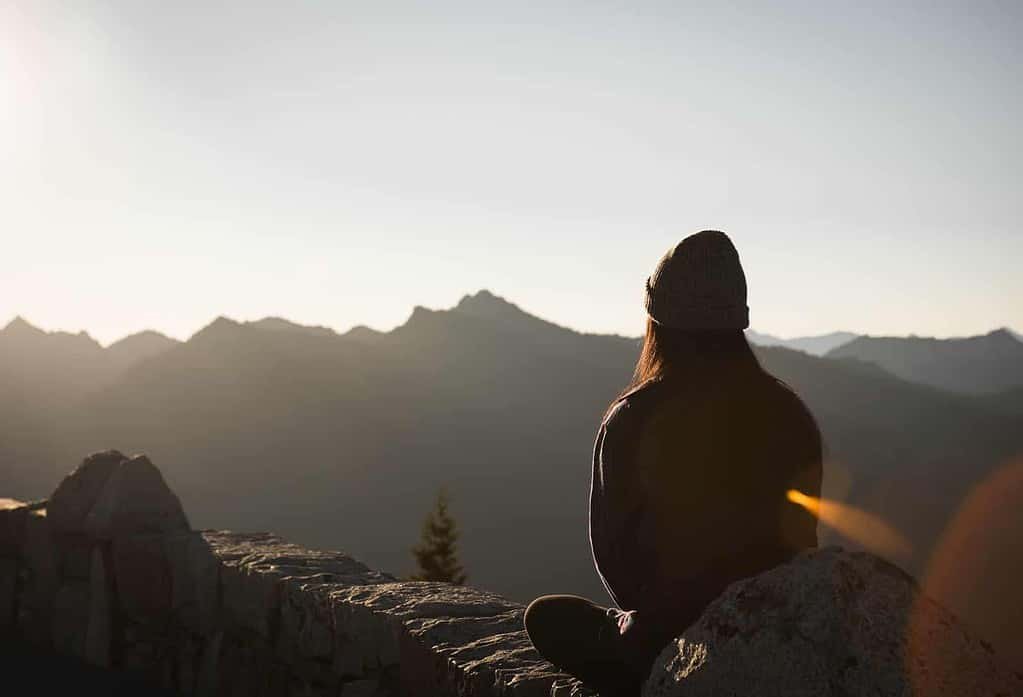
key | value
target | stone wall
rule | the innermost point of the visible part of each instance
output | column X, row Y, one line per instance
column 108, row 570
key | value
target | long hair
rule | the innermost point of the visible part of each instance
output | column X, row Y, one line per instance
column 689, row 357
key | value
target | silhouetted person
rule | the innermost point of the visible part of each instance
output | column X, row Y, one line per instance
column 691, row 467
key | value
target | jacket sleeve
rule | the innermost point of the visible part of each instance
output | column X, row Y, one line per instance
column 615, row 508
column 804, row 453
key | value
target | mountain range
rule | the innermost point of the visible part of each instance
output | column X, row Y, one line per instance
column 983, row 364
column 817, row 345
column 343, row 440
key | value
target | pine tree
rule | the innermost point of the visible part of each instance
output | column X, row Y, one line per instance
column 437, row 554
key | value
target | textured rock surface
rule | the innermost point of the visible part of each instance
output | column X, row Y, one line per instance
column 829, row 623
column 77, row 493
column 110, row 572
column 135, row 500
column 111, row 495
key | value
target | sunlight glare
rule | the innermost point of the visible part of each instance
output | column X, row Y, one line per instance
column 857, row 525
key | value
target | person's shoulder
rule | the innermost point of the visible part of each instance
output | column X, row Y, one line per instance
column 780, row 389
column 787, row 404
column 634, row 406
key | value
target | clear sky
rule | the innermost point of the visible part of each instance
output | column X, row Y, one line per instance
column 337, row 163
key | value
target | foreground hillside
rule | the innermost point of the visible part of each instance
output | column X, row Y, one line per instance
column 342, row 440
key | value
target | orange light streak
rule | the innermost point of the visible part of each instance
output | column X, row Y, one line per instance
column 859, row 526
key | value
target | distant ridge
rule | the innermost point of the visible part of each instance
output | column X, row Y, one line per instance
column 140, row 346
column 363, row 333
column 483, row 304
column 21, row 331
column 816, row 345
column 982, row 364
column 489, row 307
column 277, row 324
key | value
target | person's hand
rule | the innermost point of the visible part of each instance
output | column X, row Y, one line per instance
column 625, row 620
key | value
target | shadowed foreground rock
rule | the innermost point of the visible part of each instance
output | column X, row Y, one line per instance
column 831, row 623
column 108, row 574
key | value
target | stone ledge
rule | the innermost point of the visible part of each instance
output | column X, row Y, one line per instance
column 414, row 637
column 109, row 572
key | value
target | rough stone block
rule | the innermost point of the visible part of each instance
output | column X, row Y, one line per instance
column 364, row 641
column 252, row 597
column 70, row 618
column 369, row 620
column 40, row 559
column 76, row 494
column 34, row 627
column 501, row 664
column 8, row 599
column 187, row 654
column 143, row 578
column 570, row 687
column 313, row 671
column 135, row 500
column 465, row 642
column 245, row 669
column 207, row 682
column 428, row 644
column 97, row 637
column 74, row 553
column 142, row 659
column 297, row 687
column 421, row 599
column 12, row 527
column 362, row 688
column 306, row 620
column 195, row 575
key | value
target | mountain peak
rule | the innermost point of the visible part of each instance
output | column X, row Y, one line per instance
column 141, row 345
column 22, row 332
column 221, row 326
column 1005, row 334
column 19, row 325
column 361, row 332
column 485, row 304
column 279, row 324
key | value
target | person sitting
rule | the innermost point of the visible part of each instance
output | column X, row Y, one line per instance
column 691, row 468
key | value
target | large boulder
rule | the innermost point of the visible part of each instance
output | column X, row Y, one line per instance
column 135, row 500
column 110, row 495
column 831, row 622
column 78, row 492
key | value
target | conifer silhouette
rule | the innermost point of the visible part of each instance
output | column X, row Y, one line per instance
column 436, row 554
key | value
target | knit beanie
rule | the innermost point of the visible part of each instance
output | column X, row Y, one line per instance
column 699, row 284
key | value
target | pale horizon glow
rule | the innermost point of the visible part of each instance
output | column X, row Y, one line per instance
column 337, row 164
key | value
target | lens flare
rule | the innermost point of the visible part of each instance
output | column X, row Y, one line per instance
column 856, row 525
column 975, row 571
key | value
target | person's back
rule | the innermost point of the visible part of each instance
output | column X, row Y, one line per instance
column 689, row 490
column 691, row 469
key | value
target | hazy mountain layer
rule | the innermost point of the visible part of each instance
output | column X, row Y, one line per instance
column 973, row 365
column 817, row 345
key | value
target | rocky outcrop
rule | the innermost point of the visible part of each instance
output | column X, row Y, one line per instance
column 110, row 572
column 834, row 623
column 119, row 496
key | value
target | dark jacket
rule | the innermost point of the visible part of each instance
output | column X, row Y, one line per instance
column 689, row 490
